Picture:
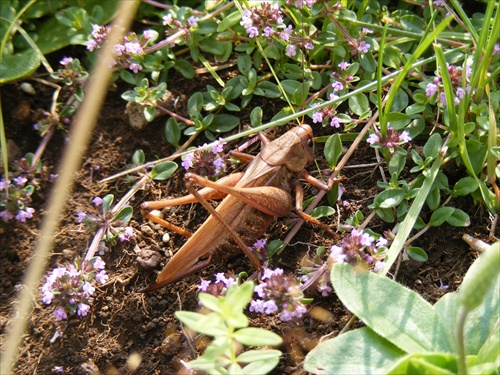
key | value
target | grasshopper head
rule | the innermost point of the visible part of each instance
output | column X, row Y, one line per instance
column 294, row 149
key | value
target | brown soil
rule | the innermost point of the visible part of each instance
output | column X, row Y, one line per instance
column 123, row 321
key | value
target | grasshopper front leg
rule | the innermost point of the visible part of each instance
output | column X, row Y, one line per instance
column 207, row 193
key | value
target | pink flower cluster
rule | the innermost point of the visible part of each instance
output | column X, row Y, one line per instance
column 129, row 52
column 15, row 195
column 267, row 22
column 456, row 74
column 360, row 248
column 219, row 287
column 391, row 140
column 341, row 79
column 71, row 287
column 278, row 293
column 114, row 228
column 209, row 162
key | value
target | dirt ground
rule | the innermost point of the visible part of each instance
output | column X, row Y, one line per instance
column 122, row 321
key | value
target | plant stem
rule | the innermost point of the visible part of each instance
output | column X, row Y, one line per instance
column 462, row 367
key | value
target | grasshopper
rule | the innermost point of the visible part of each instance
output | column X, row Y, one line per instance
column 251, row 200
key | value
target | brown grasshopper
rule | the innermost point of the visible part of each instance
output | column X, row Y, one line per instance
column 250, row 202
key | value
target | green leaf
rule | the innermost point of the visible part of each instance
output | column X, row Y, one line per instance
column 256, row 117
column 185, row 68
column 13, row 67
column 260, row 367
column 440, row 216
column 273, row 247
column 432, row 146
column 465, row 186
column 211, row 324
column 479, row 323
column 361, row 351
column 138, row 157
column 389, row 198
column 417, row 253
column 333, row 150
column 107, row 201
column 163, row 170
column 124, row 215
column 398, row 120
column 411, row 323
column 239, row 296
column 224, row 123
column 458, row 218
column 359, row 104
column 172, row 132
column 195, row 104
column 149, row 113
column 480, row 276
column 426, row 364
column 269, row 90
column 322, row 211
column 210, row 302
column 257, row 337
column 228, row 21
column 258, row 355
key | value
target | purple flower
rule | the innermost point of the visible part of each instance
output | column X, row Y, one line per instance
column 167, row 20
column 118, row 49
column 99, row 263
column 268, row 31
column 373, row 138
column 6, row 215
column 47, row 297
column 343, row 65
column 60, row 314
column 127, row 234
column 83, row 309
column 91, row 45
column 270, row 307
column 496, row 49
column 290, row 50
column 133, row 48
column 192, row 21
column 88, row 288
column 218, row 146
column 381, row 242
column 204, row 285
column 252, row 32
column 405, row 137
column 246, row 19
column 379, row 267
column 297, row 312
column 286, row 33
column 260, row 244
column 102, row 277
column 219, row 165
column 4, row 184
column 188, row 161
column 135, row 67
column 81, row 216
column 20, row 180
column 363, row 47
column 337, row 86
column 337, row 254
column 148, row 34
column 460, row 93
column 309, row 46
column 26, row 214
column 317, row 117
column 335, row 122
column 97, row 201
column 431, row 89
column 66, row 60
